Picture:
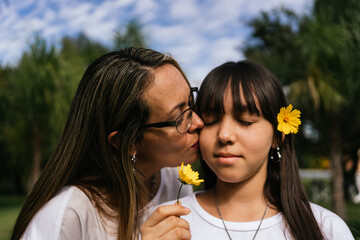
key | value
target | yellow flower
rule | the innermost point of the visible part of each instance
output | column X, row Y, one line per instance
column 289, row 120
column 188, row 176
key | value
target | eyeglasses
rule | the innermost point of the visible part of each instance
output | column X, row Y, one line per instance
column 183, row 121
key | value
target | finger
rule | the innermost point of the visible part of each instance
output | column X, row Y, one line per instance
column 171, row 224
column 165, row 211
column 177, row 234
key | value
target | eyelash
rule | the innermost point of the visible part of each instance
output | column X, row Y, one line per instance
column 210, row 123
column 243, row 123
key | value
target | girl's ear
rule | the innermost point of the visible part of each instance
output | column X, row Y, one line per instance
column 112, row 140
column 275, row 142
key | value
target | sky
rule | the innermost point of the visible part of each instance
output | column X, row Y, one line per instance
column 199, row 34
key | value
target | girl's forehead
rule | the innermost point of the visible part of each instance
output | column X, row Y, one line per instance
column 240, row 102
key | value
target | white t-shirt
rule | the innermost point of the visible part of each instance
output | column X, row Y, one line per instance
column 205, row 226
column 71, row 215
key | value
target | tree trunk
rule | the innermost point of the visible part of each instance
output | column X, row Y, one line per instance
column 36, row 161
column 337, row 171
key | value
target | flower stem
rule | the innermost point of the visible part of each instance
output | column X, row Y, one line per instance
column 178, row 195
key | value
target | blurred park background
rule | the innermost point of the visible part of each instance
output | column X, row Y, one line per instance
column 315, row 55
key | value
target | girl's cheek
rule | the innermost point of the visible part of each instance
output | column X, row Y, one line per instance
column 205, row 142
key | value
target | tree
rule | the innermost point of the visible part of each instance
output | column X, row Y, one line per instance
column 37, row 98
column 132, row 36
column 75, row 55
column 29, row 124
column 274, row 44
column 81, row 48
column 316, row 56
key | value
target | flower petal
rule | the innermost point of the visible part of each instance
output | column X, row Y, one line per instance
column 288, row 120
column 188, row 176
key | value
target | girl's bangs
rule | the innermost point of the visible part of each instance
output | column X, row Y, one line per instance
column 212, row 91
column 245, row 98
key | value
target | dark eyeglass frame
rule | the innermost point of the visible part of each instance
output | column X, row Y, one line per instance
column 174, row 122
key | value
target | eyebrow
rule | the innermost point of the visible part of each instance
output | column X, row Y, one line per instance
column 182, row 104
column 178, row 106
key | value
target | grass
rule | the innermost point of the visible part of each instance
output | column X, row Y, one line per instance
column 353, row 219
column 9, row 209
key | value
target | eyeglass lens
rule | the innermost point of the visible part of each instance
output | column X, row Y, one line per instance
column 191, row 99
column 183, row 122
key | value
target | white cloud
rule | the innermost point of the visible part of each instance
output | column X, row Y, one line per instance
column 146, row 9
column 199, row 34
column 74, row 11
column 183, row 10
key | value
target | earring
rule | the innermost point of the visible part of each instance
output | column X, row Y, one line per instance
column 278, row 153
column 133, row 160
column 277, row 157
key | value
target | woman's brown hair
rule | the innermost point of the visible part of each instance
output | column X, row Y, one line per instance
column 263, row 94
column 108, row 99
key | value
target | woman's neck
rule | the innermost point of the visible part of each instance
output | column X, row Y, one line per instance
column 153, row 183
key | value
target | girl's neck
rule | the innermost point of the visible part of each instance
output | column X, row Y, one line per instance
column 242, row 196
column 239, row 202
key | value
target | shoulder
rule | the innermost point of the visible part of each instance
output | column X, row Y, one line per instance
column 331, row 224
column 81, row 219
column 47, row 221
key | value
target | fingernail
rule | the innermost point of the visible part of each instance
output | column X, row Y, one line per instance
column 187, row 210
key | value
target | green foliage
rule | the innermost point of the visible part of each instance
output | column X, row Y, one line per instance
column 273, row 43
column 31, row 95
column 35, row 98
column 315, row 56
column 132, row 36
column 81, row 50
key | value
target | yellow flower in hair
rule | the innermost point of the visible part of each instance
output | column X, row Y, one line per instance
column 289, row 120
column 188, row 176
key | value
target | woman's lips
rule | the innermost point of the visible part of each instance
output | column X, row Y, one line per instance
column 196, row 145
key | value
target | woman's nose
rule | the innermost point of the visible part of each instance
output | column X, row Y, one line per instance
column 196, row 123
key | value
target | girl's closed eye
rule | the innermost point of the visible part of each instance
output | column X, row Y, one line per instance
column 245, row 123
column 246, row 119
column 210, row 119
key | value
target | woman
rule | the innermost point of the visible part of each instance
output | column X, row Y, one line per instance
column 131, row 116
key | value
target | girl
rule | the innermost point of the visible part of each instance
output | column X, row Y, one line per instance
column 253, row 189
column 131, row 117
